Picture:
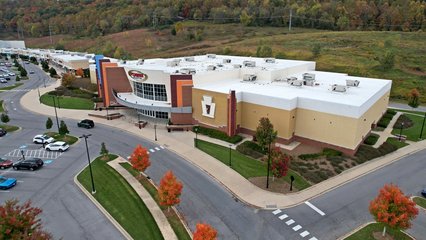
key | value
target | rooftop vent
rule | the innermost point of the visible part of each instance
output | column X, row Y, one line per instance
column 211, row 55
column 308, row 76
column 249, row 64
column 291, row 79
column 338, row 88
column 226, row 60
column 187, row 71
column 249, row 77
column 237, row 66
column 297, row 83
column 189, row 59
column 352, row 83
column 270, row 60
column 211, row 67
column 140, row 61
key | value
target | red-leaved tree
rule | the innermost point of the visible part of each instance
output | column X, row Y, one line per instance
column 170, row 190
column 140, row 159
column 21, row 222
column 279, row 163
column 393, row 208
column 79, row 72
column 204, row 232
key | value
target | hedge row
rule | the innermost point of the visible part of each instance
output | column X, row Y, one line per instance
column 366, row 153
column 328, row 152
column 213, row 133
column 386, row 118
column 371, row 139
column 251, row 149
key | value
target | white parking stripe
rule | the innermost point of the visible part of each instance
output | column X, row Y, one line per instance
column 162, row 147
column 276, row 211
column 151, row 150
column 4, row 191
column 297, row 228
column 289, row 222
column 282, row 217
column 304, row 234
column 157, row 148
column 315, row 208
column 313, row 238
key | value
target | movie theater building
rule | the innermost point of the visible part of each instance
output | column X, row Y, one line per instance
column 231, row 94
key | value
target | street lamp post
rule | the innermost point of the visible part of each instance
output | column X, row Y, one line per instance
column 196, row 136
column 107, row 116
column 139, row 119
column 38, row 89
column 230, row 156
column 269, row 162
column 85, row 136
column 56, row 113
column 59, row 106
column 423, row 125
column 155, row 131
column 44, row 81
column 400, row 131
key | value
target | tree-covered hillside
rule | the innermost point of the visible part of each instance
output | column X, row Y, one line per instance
column 98, row 17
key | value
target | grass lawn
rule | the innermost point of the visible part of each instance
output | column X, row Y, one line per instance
column 68, row 102
column 412, row 133
column 9, row 128
column 366, row 233
column 246, row 166
column 11, row 87
column 395, row 142
column 172, row 217
column 65, row 138
column 420, row 201
column 1, row 106
column 120, row 200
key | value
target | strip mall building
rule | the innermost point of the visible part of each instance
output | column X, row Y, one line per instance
column 232, row 93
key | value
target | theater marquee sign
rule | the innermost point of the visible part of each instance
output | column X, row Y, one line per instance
column 138, row 75
column 208, row 106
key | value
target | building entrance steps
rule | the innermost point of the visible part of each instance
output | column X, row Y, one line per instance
column 182, row 144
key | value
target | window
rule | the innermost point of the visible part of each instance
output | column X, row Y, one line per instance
column 148, row 91
column 154, row 114
column 163, row 115
column 160, row 92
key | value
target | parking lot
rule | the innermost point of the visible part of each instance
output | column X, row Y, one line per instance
column 7, row 74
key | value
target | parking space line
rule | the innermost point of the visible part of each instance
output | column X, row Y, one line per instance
column 297, row 228
column 4, row 191
column 157, row 148
column 313, row 238
column 276, row 211
column 282, row 217
column 304, row 234
column 315, row 208
column 162, row 147
column 289, row 222
column 151, row 150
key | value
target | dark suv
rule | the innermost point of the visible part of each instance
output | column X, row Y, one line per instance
column 31, row 164
column 86, row 123
column 2, row 132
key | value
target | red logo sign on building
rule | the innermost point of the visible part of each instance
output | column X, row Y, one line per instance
column 138, row 75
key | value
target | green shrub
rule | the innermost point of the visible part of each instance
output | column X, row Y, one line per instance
column 386, row 148
column 371, row 139
column 310, row 156
column 213, row 133
column 391, row 111
column 366, row 153
column 388, row 116
column 383, row 122
column 250, row 149
column 331, row 152
column 335, row 160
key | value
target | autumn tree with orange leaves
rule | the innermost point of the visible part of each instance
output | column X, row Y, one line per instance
column 140, row 159
column 79, row 72
column 170, row 190
column 279, row 163
column 204, row 232
column 393, row 208
column 21, row 222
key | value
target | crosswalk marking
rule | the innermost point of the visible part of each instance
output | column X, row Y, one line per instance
column 297, row 228
column 289, row 222
column 40, row 153
column 161, row 147
column 315, row 208
column 157, row 148
column 304, row 234
column 276, row 211
column 282, row 217
column 151, row 150
column 313, row 238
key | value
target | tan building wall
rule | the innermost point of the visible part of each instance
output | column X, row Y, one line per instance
column 76, row 64
column 220, row 99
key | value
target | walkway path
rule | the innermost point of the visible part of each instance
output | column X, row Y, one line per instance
column 182, row 143
column 387, row 132
column 150, row 203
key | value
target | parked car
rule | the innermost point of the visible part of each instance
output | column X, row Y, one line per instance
column 2, row 80
column 7, row 78
column 2, row 132
column 424, row 192
column 86, row 123
column 5, row 163
column 12, row 74
column 31, row 72
column 30, row 164
column 6, row 183
column 57, row 146
column 43, row 139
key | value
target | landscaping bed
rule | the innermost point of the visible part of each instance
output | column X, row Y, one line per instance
column 251, row 149
column 12, row 86
column 420, row 201
column 412, row 126
column 1, row 106
column 9, row 128
column 65, row 138
column 172, row 216
column 371, row 139
column 394, row 141
column 366, row 153
column 67, row 102
column 375, row 229
column 120, row 200
column 213, row 133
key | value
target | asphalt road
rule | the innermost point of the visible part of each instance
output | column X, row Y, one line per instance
column 70, row 215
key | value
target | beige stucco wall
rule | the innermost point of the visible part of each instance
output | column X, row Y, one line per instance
column 76, row 64
column 220, row 115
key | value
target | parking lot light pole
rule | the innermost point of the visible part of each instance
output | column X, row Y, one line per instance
column 85, row 136
column 39, row 97
column 423, row 126
column 400, row 131
column 155, row 131
column 56, row 113
column 230, row 157
column 196, row 136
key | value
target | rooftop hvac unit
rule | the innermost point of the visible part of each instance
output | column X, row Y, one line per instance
column 270, row 60
column 249, row 64
column 249, row 77
column 237, row 66
column 308, row 76
column 309, row 82
column 352, row 83
column 187, row 71
column 338, row 88
column 211, row 55
column 189, row 59
column 140, row 61
column 172, row 64
column 226, row 60
column 297, row 83
column 211, row 67
column 291, row 79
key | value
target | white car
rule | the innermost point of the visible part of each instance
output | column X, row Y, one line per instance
column 43, row 139
column 12, row 74
column 2, row 80
column 57, row 146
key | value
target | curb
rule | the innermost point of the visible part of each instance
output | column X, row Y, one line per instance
column 100, row 207
column 364, row 225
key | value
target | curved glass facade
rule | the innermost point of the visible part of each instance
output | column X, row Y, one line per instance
column 150, row 91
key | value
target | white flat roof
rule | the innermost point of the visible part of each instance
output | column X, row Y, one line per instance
column 70, row 57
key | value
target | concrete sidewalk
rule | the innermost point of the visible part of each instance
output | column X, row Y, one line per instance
column 182, row 144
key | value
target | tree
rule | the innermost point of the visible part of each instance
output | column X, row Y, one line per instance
column 5, row 118
column 23, row 72
column 387, row 61
column 49, row 123
column 264, row 51
column 63, row 129
column 67, row 80
column 393, row 208
column 18, row 79
column 79, row 72
column 204, row 232
column 245, row 18
column 279, row 163
column 170, row 190
column 21, row 221
column 265, row 133
column 413, row 98
column 104, row 151
column 140, row 159
column 52, row 72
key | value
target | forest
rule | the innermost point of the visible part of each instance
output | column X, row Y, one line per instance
column 93, row 18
